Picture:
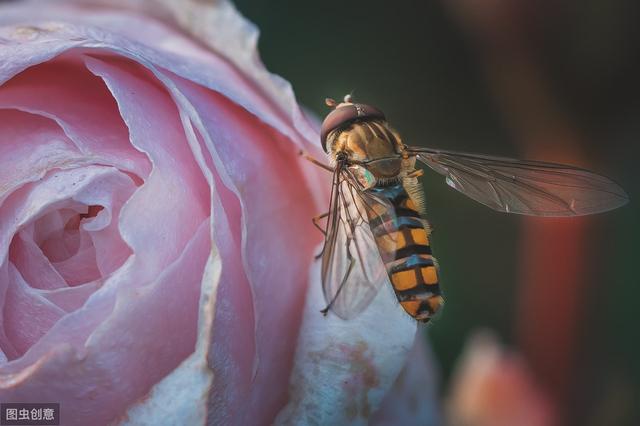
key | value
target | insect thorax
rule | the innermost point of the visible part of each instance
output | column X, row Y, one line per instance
column 369, row 140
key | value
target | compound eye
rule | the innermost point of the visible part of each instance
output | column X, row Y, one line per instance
column 345, row 114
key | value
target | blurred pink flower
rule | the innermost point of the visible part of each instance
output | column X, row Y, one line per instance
column 155, row 236
column 492, row 387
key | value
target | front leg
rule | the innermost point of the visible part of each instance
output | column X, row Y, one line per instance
column 314, row 161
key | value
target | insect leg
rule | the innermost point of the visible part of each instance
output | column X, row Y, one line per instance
column 317, row 225
column 314, row 161
column 342, row 283
column 315, row 221
column 333, row 210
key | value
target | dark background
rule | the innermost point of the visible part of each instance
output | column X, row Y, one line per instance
column 554, row 81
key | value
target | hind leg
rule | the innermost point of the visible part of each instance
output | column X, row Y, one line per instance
column 316, row 223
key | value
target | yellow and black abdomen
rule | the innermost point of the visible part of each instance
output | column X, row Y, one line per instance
column 404, row 245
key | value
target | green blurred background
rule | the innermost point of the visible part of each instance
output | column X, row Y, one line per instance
column 554, row 80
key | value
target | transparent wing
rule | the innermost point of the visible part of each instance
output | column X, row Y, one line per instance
column 352, row 267
column 525, row 187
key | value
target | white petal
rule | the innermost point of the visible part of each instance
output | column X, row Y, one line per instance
column 343, row 369
column 413, row 399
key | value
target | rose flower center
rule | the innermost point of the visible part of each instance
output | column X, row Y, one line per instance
column 63, row 242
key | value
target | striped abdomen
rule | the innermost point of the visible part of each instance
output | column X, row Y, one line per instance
column 404, row 246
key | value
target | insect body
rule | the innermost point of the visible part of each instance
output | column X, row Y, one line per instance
column 411, row 267
column 376, row 230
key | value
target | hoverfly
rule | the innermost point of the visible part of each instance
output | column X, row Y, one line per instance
column 375, row 227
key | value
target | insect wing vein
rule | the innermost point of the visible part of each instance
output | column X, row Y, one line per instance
column 524, row 187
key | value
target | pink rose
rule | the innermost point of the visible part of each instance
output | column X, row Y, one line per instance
column 157, row 248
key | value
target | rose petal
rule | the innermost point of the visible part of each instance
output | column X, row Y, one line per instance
column 233, row 349
column 176, row 191
column 89, row 116
column 413, row 399
column 34, row 265
column 8, row 350
column 53, row 222
column 182, row 396
column 343, row 369
column 268, row 165
column 191, row 61
column 83, row 382
column 92, row 245
column 104, row 229
column 29, row 146
column 71, row 298
column 56, row 241
column 81, row 267
column 21, row 306
column 33, row 200
column 219, row 26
